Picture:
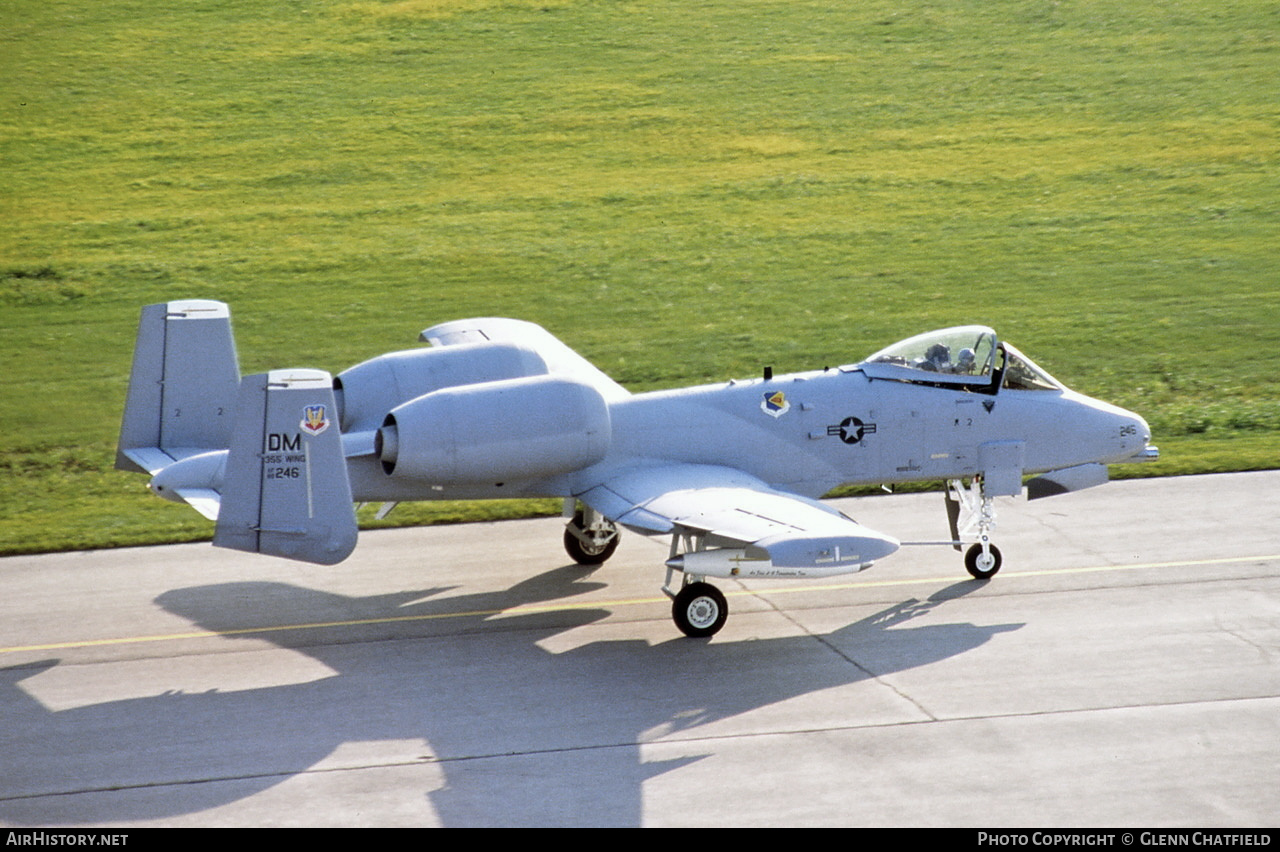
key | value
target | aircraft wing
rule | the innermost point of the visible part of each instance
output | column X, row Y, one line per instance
column 560, row 359
column 779, row 534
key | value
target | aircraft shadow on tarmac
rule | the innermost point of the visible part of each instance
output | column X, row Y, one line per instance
column 463, row 692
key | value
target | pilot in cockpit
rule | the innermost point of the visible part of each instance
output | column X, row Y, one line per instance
column 937, row 359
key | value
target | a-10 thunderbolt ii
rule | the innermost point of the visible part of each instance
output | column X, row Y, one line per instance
column 498, row 408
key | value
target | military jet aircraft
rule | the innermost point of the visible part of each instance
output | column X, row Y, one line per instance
column 499, row 408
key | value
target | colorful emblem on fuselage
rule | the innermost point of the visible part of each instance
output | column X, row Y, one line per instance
column 314, row 419
column 775, row 404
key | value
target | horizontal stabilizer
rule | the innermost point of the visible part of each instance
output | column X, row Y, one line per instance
column 286, row 491
column 195, row 480
column 206, row 501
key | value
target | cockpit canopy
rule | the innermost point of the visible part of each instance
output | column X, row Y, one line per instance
column 969, row 357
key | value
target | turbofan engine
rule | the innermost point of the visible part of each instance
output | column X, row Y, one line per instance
column 517, row 429
column 366, row 392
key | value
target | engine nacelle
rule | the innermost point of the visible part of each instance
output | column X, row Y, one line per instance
column 366, row 392
column 517, row 429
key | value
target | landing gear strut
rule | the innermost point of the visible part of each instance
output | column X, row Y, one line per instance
column 698, row 608
column 983, row 559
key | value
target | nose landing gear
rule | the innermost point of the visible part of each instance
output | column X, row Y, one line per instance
column 983, row 560
column 977, row 510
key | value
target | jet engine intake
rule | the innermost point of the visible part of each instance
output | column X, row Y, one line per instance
column 517, row 429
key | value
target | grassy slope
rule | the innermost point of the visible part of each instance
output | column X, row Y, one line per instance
column 680, row 191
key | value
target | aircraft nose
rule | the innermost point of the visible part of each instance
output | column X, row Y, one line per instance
column 1135, row 437
column 1114, row 435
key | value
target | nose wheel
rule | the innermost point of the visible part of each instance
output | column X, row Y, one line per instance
column 982, row 561
column 970, row 509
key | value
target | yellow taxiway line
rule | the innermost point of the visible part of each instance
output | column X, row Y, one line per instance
column 559, row 607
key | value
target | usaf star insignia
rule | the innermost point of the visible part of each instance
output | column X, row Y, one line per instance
column 851, row 430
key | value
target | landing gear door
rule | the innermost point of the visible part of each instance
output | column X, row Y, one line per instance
column 1001, row 465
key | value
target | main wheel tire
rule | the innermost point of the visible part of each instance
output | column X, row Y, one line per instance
column 588, row 554
column 983, row 566
column 700, row 610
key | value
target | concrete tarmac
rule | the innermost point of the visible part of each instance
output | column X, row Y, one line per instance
column 1122, row 670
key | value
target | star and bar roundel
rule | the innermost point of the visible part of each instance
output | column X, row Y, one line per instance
column 851, row 430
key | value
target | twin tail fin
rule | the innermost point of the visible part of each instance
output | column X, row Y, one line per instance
column 260, row 455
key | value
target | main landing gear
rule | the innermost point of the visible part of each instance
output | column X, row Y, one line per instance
column 698, row 608
column 969, row 510
column 590, row 538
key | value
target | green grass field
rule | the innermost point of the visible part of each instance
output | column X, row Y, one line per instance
column 682, row 191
